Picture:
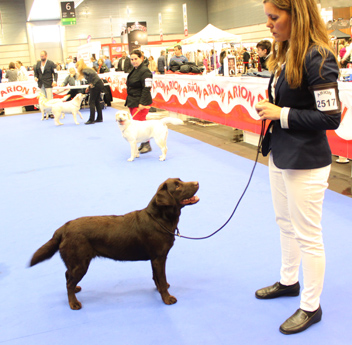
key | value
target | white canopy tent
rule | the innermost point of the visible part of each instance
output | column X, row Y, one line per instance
column 211, row 35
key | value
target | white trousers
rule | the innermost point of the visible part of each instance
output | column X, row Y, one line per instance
column 298, row 201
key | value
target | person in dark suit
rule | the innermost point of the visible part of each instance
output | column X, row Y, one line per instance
column 161, row 63
column 45, row 74
column 245, row 58
column 96, row 86
column 303, row 103
column 124, row 63
column 139, row 98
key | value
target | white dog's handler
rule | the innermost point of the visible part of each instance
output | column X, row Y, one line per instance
column 303, row 103
column 46, row 75
column 139, row 98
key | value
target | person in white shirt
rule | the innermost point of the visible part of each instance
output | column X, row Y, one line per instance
column 22, row 72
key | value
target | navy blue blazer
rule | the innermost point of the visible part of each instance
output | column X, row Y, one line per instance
column 304, row 144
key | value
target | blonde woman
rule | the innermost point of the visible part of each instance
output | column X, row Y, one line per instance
column 152, row 64
column 303, row 103
column 95, row 87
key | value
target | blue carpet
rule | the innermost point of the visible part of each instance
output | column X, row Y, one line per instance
column 51, row 174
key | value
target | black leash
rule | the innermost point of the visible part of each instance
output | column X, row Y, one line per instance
column 238, row 202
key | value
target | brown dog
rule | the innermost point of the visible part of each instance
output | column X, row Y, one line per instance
column 140, row 235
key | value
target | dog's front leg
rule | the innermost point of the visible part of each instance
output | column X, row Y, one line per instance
column 159, row 276
column 75, row 118
column 134, row 151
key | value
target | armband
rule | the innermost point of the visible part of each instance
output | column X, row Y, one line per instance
column 148, row 82
column 327, row 98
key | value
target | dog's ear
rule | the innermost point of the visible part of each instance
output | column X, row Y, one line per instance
column 163, row 196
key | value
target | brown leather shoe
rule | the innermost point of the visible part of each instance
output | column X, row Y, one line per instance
column 278, row 290
column 300, row 321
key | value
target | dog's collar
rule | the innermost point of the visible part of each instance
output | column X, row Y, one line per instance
column 164, row 227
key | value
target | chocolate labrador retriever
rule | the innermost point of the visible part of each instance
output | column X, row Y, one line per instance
column 147, row 234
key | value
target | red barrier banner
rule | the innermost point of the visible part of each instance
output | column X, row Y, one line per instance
column 231, row 102
column 226, row 100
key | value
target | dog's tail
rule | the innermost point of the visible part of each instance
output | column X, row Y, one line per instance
column 47, row 250
column 171, row 120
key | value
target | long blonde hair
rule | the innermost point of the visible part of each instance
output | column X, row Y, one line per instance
column 307, row 30
column 81, row 65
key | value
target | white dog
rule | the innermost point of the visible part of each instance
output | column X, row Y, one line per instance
column 45, row 105
column 72, row 107
column 141, row 131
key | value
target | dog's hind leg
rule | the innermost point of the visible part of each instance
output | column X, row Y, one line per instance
column 73, row 276
column 159, row 276
column 76, row 254
column 161, row 142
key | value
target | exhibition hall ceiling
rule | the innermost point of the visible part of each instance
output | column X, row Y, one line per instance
column 47, row 9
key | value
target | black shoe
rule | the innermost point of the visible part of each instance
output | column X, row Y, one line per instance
column 300, row 321
column 146, row 148
column 51, row 116
column 141, row 146
column 89, row 122
column 98, row 120
column 278, row 290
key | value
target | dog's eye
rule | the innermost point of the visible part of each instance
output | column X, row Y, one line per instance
column 178, row 186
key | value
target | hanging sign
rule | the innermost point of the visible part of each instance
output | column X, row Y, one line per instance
column 68, row 13
column 185, row 26
column 160, row 29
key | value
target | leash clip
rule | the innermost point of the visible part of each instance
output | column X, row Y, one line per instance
column 178, row 232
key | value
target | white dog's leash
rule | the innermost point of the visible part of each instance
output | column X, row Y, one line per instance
column 147, row 107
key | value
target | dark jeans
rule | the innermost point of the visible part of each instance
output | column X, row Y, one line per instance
column 94, row 102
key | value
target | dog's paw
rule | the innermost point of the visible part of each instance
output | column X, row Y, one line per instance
column 130, row 159
column 170, row 300
column 162, row 158
column 75, row 305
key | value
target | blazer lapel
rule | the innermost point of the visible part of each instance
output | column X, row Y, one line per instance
column 279, row 83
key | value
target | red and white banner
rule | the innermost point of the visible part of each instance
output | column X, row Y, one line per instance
column 226, row 100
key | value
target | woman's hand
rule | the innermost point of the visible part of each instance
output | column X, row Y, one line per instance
column 267, row 110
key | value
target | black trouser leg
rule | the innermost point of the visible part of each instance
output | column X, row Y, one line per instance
column 94, row 93
column 98, row 107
